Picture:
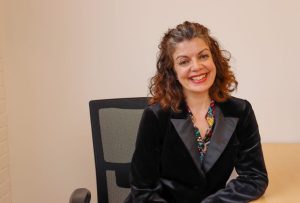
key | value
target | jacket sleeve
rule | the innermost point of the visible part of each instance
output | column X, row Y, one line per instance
column 144, row 174
column 252, row 179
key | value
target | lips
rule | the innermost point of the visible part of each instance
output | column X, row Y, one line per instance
column 199, row 78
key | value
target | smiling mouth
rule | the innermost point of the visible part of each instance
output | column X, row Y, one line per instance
column 199, row 77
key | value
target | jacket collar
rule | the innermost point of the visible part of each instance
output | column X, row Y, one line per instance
column 223, row 130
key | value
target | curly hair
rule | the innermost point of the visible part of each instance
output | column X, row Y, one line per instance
column 164, row 87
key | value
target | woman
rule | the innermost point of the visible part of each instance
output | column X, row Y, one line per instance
column 194, row 133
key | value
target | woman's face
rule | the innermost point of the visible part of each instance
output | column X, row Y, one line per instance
column 194, row 66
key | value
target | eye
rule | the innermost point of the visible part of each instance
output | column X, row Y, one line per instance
column 183, row 62
column 204, row 56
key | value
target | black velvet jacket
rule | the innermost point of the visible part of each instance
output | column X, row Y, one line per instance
column 166, row 165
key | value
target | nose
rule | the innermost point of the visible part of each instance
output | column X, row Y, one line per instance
column 196, row 65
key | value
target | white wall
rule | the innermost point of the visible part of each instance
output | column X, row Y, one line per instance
column 63, row 53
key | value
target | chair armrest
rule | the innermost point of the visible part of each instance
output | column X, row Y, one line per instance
column 80, row 195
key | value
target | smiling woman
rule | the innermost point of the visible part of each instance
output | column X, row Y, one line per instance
column 187, row 45
column 194, row 67
column 194, row 133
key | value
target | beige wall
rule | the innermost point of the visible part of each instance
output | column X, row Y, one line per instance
column 63, row 53
column 5, row 183
column 5, row 189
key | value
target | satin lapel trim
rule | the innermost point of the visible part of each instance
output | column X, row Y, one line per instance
column 221, row 135
column 185, row 130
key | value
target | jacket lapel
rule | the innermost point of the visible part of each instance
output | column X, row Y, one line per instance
column 185, row 129
column 223, row 130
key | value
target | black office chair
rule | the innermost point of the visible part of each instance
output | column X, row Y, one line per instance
column 114, row 127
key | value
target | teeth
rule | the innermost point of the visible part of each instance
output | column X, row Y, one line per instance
column 200, row 77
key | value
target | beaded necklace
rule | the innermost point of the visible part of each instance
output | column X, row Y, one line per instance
column 202, row 143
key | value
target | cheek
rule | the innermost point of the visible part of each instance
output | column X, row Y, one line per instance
column 213, row 69
column 213, row 73
column 212, row 65
column 180, row 73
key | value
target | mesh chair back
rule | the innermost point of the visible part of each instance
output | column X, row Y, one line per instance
column 114, row 127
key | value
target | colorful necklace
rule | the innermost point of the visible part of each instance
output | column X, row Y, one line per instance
column 202, row 143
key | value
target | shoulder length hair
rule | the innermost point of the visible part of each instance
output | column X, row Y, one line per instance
column 164, row 87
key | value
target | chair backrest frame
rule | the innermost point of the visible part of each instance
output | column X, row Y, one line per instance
column 100, row 164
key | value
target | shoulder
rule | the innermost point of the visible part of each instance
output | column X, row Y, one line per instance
column 235, row 107
column 157, row 110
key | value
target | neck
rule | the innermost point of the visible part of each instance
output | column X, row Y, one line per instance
column 198, row 102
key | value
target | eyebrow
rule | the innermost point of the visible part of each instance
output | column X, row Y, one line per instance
column 205, row 49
